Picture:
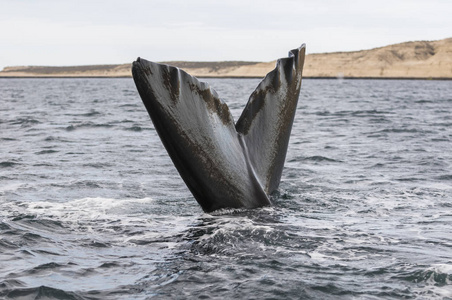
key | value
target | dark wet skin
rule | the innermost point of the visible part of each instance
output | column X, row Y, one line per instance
column 225, row 165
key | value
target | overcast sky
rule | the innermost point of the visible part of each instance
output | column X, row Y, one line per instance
column 82, row 32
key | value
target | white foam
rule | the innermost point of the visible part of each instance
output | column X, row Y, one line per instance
column 441, row 269
column 86, row 209
column 114, row 221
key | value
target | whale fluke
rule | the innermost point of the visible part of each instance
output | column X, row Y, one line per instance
column 225, row 165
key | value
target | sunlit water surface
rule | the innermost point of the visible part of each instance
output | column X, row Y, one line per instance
column 93, row 208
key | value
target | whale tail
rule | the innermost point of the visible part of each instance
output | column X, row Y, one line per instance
column 225, row 165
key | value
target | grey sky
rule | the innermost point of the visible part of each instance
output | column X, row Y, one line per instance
column 78, row 32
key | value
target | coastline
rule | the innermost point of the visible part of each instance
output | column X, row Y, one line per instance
column 423, row 60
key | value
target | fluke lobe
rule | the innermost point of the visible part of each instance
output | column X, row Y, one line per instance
column 225, row 165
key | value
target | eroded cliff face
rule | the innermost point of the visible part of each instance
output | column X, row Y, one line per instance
column 406, row 60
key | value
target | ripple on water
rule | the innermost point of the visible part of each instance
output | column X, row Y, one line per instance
column 363, row 209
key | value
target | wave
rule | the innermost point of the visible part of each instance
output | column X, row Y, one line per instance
column 315, row 158
column 434, row 280
column 25, row 121
column 446, row 177
column 409, row 179
column 91, row 113
column 41, row 292
column 354, row 113
column 134, row 128
column 50, row 151
column 55, row 214
column 405, row 130
column 87, row 125
column 8, row 164
column 98, row 165
column 56, row 139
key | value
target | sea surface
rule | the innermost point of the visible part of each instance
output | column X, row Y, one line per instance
column 91, row 206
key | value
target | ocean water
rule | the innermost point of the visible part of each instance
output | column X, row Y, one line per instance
column 91, row 206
